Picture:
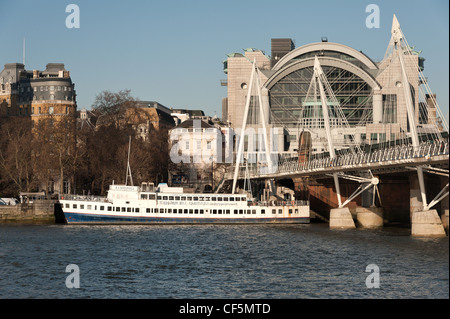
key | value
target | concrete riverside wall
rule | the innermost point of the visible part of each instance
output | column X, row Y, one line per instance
column 41, row 211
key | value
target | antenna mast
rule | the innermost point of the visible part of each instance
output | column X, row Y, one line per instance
column 23, row 52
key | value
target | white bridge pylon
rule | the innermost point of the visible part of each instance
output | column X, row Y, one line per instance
column 254, row 80
column 400, row 49
column 320, row 81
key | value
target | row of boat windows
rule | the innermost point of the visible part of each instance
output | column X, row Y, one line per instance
column 178, row 211
column 194, row 198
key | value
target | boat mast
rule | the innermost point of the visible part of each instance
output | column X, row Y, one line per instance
column 128, row 165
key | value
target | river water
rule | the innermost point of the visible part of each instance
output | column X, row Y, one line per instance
column 220, row 261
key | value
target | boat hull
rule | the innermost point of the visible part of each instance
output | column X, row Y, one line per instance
column 81, row 218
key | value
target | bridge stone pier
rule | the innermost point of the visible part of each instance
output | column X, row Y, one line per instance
column 444, row 207
column 423, row 222
column 341, row 218
column 369, row 217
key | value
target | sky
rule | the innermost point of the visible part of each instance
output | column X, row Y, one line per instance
column 172, row 51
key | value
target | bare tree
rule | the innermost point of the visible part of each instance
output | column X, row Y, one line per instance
column 112, row 106
column 15, row 155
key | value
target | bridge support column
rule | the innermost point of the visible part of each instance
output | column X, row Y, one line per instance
column 423, row 223
column 444, row 218
column 427, row 224
column 341, row 218
column 369, row 217
column 415, row 199
column 444, row 205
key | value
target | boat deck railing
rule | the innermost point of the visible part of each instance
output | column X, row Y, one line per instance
column 276, row 203
column 91, row 198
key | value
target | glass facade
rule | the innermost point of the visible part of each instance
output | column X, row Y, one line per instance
column 288, row 95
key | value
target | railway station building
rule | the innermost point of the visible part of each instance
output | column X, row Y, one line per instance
column 370, row 93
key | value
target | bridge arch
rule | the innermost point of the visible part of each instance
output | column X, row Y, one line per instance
column 320, row 48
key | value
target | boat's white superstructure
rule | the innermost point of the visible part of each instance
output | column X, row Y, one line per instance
column 147, row 204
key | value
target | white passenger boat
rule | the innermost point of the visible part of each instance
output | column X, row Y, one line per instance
column 147, row 204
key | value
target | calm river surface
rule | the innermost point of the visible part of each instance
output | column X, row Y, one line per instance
column 226, row 261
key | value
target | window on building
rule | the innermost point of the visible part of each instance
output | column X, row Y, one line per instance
column 389, row 108
column 373, row 137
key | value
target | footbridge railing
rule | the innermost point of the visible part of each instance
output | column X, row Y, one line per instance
column 399, row 154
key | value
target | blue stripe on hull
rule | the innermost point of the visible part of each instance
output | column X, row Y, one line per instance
column 75, row 218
